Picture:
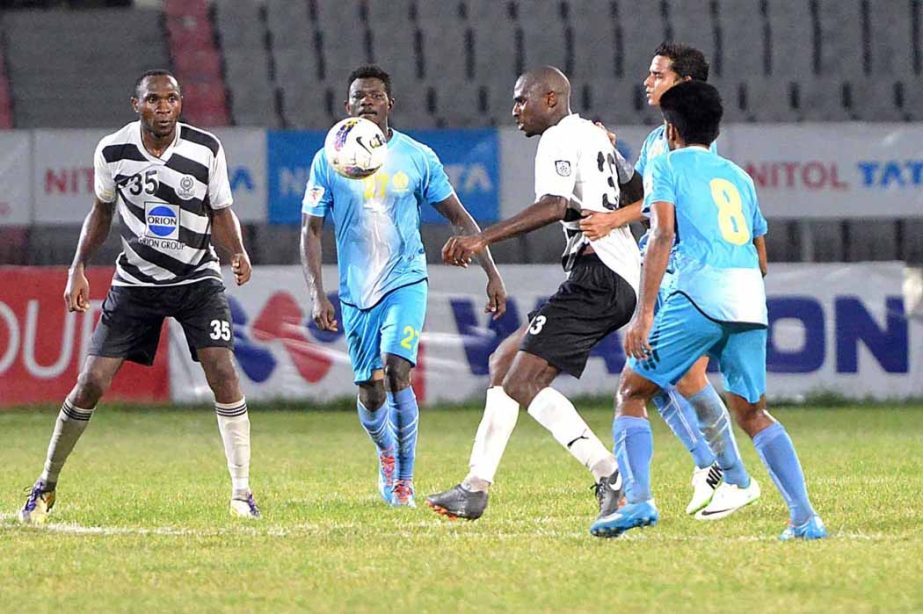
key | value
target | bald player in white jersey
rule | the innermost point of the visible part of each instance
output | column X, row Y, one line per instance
column 576, row 169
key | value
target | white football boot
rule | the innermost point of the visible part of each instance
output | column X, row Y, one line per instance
column 728, row 499
column 704, row 483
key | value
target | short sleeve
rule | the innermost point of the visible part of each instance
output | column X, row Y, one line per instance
column 436, row 187
column 318, row 198
column 103, row 184
column 555, row 165
column 659, row 185
column 219, row 188
column 760, row 226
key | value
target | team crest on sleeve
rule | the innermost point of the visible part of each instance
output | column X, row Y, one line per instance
column 562, row 167
column 186, row 188
column 315, row 194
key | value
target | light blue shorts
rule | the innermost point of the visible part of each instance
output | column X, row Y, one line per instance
column 391, row 327
column 666, row 287
column 682, row 334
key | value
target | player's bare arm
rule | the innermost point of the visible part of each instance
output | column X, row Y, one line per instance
column 226, row 235
column 452, row 209
column 546, row 210
column 595, row 225
column 323, row 313
column 663, row 232
column 760, row 244
column 95, row 229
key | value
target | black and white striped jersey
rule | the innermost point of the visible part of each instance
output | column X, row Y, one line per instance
column 163, row 204
column 576, row 160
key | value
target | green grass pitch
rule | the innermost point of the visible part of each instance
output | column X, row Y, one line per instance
column 141, row 522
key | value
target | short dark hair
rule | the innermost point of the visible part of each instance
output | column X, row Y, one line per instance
column 685, row 61
column 370, row 71
column 154, row 72
column 694, row 108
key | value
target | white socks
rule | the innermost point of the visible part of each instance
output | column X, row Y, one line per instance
column 497, row 424
column 70, row 425
column 234, row 426
column 556, row 413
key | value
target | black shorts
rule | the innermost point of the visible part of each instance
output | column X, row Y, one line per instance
column 133, row 316
column 593, row 302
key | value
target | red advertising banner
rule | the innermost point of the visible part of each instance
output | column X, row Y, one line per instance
column 42, row 345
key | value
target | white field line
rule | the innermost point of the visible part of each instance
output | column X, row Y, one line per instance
column 9, row 523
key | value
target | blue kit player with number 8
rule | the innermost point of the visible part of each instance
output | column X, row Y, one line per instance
column 716, row 306
column 382, row 269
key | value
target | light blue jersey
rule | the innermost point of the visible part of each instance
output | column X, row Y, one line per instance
column 377, row 218
column 654, row 146
column 717, row 217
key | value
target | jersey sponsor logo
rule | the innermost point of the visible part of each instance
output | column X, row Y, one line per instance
column 314, row 194
column 562, row 167
column 186, row 187
column 161, row 220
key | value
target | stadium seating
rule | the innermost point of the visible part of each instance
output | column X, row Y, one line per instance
column 196, row 62
column 48, row 53
column 283, row 64
column 774, row 60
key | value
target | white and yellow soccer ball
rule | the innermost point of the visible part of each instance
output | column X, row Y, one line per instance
column 356, row 148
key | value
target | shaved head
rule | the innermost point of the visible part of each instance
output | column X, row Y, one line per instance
column 548, row 79
column 541, row 98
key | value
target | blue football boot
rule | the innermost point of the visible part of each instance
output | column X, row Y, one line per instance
column 812, row 529
column 627, row 517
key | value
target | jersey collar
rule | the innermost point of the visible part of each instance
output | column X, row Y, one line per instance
column 136, row 137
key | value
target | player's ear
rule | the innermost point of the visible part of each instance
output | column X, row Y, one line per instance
column 671, row 133
column 135, row 104
column 551, row 99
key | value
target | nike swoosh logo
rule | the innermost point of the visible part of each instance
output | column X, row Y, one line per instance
column 727, row 509
column 363, row 145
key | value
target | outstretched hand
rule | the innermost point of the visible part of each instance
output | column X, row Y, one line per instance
column 596, row 225
column 459, row 250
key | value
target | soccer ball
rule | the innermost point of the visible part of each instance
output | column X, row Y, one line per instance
column 355, row 147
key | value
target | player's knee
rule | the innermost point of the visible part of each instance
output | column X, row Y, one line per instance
column 91, row 386
column 692, row 384
column 397, row 373
column 223, row 380
column 520, row 390
column 750, row 417
column 372, row 394
column 498, row 365
column 633, row 394
column 695, row 380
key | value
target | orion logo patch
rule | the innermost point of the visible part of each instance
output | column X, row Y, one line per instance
column 562, row 167
column 161, row 220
